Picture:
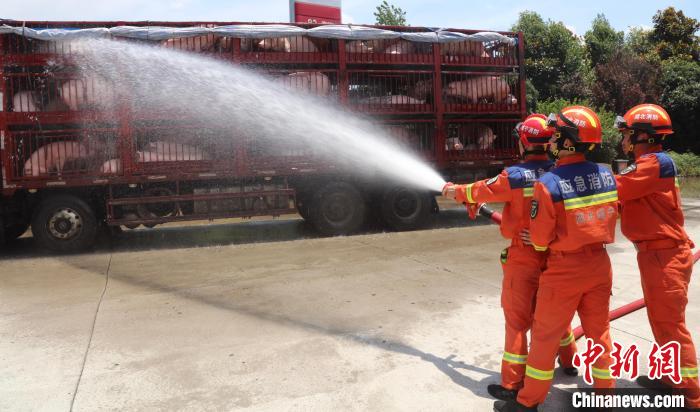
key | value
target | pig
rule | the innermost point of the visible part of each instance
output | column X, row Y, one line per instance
column 453, row 143
column 357, row 46
column 197, row 44
column 168, row 151
column 393, row 99
column 464, row 48
column 53, row 156
column 315, row 83
column 26, row 101
column 302, row 44
column 510, row 99
column 112, row 166
column 89, row 93
column 481, row 136
column 400, row 47
column 479, row 89
column 280, row 44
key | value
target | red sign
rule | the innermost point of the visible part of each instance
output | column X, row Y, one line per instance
column 315, row 11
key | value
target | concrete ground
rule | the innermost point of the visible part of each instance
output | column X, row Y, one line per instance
column 264, row 316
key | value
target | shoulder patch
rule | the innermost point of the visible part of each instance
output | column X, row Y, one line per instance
column 629, row 169
column 534, row 208
column 492, row 180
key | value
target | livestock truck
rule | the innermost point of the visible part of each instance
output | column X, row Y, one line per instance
column 70, row 169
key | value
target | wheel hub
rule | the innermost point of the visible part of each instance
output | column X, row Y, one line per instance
column 65, row 223
column 336, row 209
column 405, row 204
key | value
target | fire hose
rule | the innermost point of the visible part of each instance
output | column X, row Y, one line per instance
column 615, row 313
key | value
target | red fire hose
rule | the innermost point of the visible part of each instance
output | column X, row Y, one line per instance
column 615, row 313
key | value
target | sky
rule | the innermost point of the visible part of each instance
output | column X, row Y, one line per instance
column 465, row 14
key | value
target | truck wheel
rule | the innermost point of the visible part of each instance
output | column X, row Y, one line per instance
column 404, row 208
column 337, row 209
column 64, row 223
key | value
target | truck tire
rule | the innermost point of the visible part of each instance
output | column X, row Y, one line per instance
column 64, row 223
column 303, row 203
column 404, row 208
column 337, row 208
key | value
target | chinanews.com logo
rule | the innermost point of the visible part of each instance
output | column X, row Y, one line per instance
column 663, row 362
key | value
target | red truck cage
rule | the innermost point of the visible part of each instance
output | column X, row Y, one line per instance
column 69, row 169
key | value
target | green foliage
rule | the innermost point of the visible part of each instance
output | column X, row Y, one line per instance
column 638, row 41
column 602, row 41
column 390, row 15
column 554, row 58
column 688, row 164
column 680, row 96
column 607, row 151
column 674, row 35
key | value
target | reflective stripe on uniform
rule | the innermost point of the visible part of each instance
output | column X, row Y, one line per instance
column 514, row 358
column 528, row 191
column 539, row 248
column 567, row 340
column 592, row 200
column 538, row 374
column 678, row 184
column 601, row 373
column 689, row 372
column 469, row 193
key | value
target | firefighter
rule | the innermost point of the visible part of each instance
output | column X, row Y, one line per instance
column 522, row 264
column 648, row 191
column 573, row 215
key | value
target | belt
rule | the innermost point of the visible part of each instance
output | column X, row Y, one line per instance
column 660, row 244
column 517, row 241
column 593, row 247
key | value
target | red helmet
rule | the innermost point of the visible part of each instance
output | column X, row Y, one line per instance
column 534, row 130
column 578, row 123
column 649, row 118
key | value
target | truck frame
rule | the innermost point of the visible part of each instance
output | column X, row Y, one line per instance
column 70, row 169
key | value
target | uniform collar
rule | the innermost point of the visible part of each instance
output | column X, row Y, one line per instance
column 656, row 148
column 535, row 157
column 575, row 158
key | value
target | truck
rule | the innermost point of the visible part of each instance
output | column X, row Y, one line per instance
column 70, row 170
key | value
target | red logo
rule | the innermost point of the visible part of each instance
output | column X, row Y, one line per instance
column 587, row 358
column 665, row 361
column 627, row 362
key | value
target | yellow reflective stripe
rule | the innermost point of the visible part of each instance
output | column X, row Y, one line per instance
column 567, row 340
column 539, row 248
column 528, row 191
column 601, row 373
column 469, row 193
column 689, row 372
column 538, row 374
column 514, row 358
column 678, row 184
column 592, row 200
column 583, row 112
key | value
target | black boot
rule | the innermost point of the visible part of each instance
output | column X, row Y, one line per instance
column 512, row 406
column 653, row 384
column 568, row 371
column 499, row 392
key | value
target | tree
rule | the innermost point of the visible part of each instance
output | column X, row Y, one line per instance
column 680, row 96
column 390, row 15
column 554, row 58
column 674, row 35
column 638, row 41
column 625, row 81
column 602, row 41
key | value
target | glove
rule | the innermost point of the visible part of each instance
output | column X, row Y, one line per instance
column 448, row 190
column 472, row 209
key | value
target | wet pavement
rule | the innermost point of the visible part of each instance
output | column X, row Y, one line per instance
column 267, row 316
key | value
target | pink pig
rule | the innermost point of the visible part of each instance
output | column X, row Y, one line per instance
column 475, row 89
column 53, row 156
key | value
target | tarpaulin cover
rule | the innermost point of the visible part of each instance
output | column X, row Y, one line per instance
column 339, row 31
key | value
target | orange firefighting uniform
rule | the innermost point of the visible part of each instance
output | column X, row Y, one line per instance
column 573, row 214
column 522, row 265
column 648, row 193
